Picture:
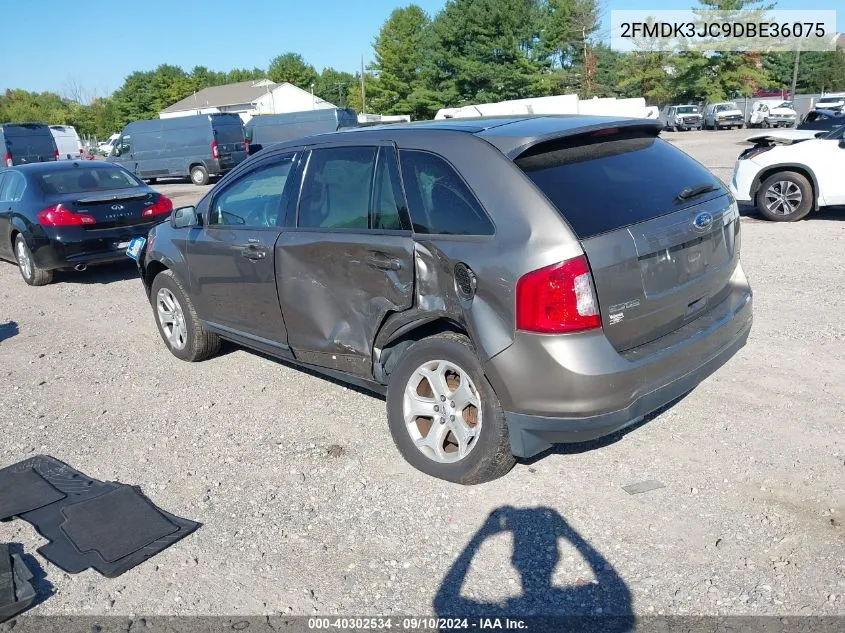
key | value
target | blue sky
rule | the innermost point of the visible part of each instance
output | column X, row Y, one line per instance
column 96, row 43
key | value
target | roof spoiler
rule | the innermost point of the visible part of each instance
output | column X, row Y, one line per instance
column 649, row 127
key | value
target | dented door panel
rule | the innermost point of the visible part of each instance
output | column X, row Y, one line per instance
column 337, row 288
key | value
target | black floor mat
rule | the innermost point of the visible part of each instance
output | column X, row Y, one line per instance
column 16, row 591
column 108, row 526
column 23, row 491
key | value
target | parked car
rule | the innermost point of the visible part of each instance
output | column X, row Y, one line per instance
column 683, row 117
column 266, row 129
column 462, row 268
column 106, row 147
column 822, row 120
column 71, row 214
column 198, row 147
column 718, row 116
column 788, row 179
column 22, row 143
column 67, row 141
column 770, row 114
column 833, row 101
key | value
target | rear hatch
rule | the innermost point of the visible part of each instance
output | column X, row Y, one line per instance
column 30, row 143
column 659, row 230
column 111, row 197
column 229, row 136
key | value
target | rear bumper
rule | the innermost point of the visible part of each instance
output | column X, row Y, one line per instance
column 563, row 389
column 71, row 247
column 742, row 181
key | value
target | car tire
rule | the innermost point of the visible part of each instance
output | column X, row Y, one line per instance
column 451, row 359
column 32, row 274
column 184, row 335
column 199, row 175
column 798, row 193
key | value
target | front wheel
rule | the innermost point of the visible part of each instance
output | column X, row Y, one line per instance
column 32, row 274
column 178, row 322
column 199, row 175
column 785, row 197
column 444, row 416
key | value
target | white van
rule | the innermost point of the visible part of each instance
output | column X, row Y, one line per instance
column 67, row 141
column 107, row 146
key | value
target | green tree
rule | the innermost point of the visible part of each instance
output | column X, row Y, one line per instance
column 237, row 75
column 400, row 53
column 334, row 86
column 290, row 67
column 817, row 70
column 486, row 50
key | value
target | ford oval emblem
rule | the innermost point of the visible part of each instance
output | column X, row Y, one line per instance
column 702, row 221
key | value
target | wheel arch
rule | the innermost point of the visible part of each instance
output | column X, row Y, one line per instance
column 392, row 341
column 798, row 168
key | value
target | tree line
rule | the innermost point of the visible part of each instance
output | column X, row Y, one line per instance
column 472, row 51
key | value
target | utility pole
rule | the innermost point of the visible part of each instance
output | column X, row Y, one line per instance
column 363, row 89
column 795, row 73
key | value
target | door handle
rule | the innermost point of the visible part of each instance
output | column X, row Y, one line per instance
column 384, row 262
column 253, row 252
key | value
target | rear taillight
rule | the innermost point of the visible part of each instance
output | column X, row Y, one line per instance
column 8, row 159
column 56, row 154
column 215, row 153
column 57, row 215
column 246, row 147
column 557, row 299
column 160, row 207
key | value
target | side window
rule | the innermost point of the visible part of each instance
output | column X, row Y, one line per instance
column 124, row 144
column 4, row 182
column 387, row 193
column 17, row 186
column 336, row 191
column 439, row 200
column 255, row 200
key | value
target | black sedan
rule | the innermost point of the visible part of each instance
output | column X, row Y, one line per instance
column 71, row 214
column 822, row 120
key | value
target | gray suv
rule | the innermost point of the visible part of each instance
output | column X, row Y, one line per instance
column 508, row 283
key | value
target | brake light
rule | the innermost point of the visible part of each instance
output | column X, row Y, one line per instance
column 8, row 159
column 56, row 154
column 246, row 148
column 557, row 299
column 215, row 153
column 160, row 207
column 57, row 215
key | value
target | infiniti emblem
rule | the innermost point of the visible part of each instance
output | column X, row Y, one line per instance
column 702, row 221
column 117, row 207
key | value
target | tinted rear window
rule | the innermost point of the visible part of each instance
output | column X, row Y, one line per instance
column 82, row 180
column 29, row 140
column 604, row 183
column 228, row 133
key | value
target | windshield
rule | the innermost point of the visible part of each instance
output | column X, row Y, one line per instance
column 785, row 104
column 830, row 99
column 723, row 107
column 687, row 109
column 86, row 179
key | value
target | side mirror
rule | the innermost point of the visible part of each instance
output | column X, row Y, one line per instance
column 184, row 217
column 115, row 151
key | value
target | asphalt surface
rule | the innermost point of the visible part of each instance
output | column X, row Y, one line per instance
column 307, row 508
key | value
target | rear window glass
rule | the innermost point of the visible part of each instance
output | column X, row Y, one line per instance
column 228, row 133
column 603, row 183
column 81, row 180
column 23, row 140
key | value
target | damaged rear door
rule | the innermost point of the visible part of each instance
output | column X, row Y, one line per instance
column 348, row 263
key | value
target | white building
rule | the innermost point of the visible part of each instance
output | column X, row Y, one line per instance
column 247, row 98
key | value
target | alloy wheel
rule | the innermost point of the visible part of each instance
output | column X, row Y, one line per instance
column 783, row 197
column 442, row 411
column 24, row 260
column 171, row 318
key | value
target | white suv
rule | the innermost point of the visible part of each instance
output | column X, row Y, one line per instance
column 787, row 181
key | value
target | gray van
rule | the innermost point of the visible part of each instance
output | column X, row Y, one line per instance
column 266, row 129
column 22, row 143
column 197, row 146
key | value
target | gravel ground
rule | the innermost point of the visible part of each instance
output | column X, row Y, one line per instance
column 749, row 519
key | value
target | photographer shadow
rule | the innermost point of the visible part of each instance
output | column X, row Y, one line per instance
column 601, row 605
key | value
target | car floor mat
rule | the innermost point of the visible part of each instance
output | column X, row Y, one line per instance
column 107, row 526
column 16, row 591
column 25, row 490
